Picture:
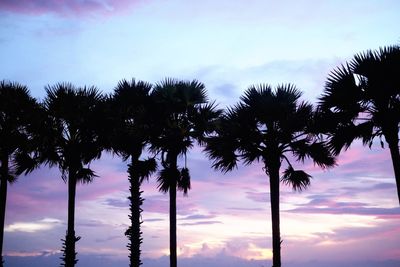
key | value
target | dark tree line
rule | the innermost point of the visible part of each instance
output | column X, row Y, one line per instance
column 145, row 123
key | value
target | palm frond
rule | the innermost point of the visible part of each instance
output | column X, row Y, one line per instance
column 191, row 92
column 145, row 168
column 20, row 115
column 287, row 93
column 85, row 175
column 184, row 181
column 222, row 152
column 205, row 120
column 342, row 138
column 167, row 178
column 297, row 179
column 320, row 154
column 24, row 163
column 341, row 92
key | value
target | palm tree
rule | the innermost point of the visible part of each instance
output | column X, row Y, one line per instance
column 71, row 141
column 18, row 115
column 361, row 100
column 185, row 116
column 130, row 112
column 269, row 125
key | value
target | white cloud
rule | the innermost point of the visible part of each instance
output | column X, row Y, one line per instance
column 32, row 227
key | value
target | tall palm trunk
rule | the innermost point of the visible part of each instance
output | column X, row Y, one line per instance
column 69, row 256
column 395, row 155
column 136, row 201
column 3, row 199
column 274, row 194
column 172, row 215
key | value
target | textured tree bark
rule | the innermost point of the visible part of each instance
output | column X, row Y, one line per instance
column 70, row 240
column 274, row 193
column 394, row 152
column 3, row 199
column 172, row 216
column 276, row 234
column 134, row 234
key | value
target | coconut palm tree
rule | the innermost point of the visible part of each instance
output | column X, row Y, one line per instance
column 130, row 112
column 271, row 126
column 71, row 141
column 185, row 117
column 19, row 113
column 361, row 100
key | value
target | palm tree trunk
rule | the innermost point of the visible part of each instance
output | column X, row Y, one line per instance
column 70, row 239
column 276, row 235
column 3, row 199
column 172, row 217
column 136, row 201
column 394, row 152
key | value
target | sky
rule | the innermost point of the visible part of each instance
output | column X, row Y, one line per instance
column 348, row 217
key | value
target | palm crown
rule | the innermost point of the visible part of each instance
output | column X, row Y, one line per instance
column 20, row 116
column 74, row 123
column 130, row 108
column 361, row 100
column 363, row 97
column 265, row 126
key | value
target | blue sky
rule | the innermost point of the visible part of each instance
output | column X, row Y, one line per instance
column 350, row 213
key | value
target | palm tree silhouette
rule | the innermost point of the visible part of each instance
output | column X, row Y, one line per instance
column 130, row 111
column 361, row 100
column 19, row 114
column 185, row 116
column 71, row 142
column 268, row 126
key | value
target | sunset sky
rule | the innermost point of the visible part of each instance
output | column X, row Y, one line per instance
column 350, row 214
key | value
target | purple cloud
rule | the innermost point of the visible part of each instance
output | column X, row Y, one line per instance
column 245, row 209
column 91, row 223
column 154, row 220
column 325, row 205
column 160, row 204
column 200, row 223
column 156, row 204
column 65, row 7
column 258, row 196
column 99, row 240
column 119, row 203
column 197, row 217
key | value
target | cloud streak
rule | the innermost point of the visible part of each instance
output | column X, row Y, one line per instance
column 323, row 205
column 200, row 223
column 32, row 227
column 65, row 7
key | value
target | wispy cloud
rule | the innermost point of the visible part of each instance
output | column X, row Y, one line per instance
column 119, row 203
column 32, row 227
column 200, row 223
column 154, row 220
column 197, row 217
column 65, row 7
column 258, row 196
column 99, row 240
column 324, row 205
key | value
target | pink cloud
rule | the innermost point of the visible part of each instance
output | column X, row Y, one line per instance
column 323, row 205
column 65, row 7
column 200, row 223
